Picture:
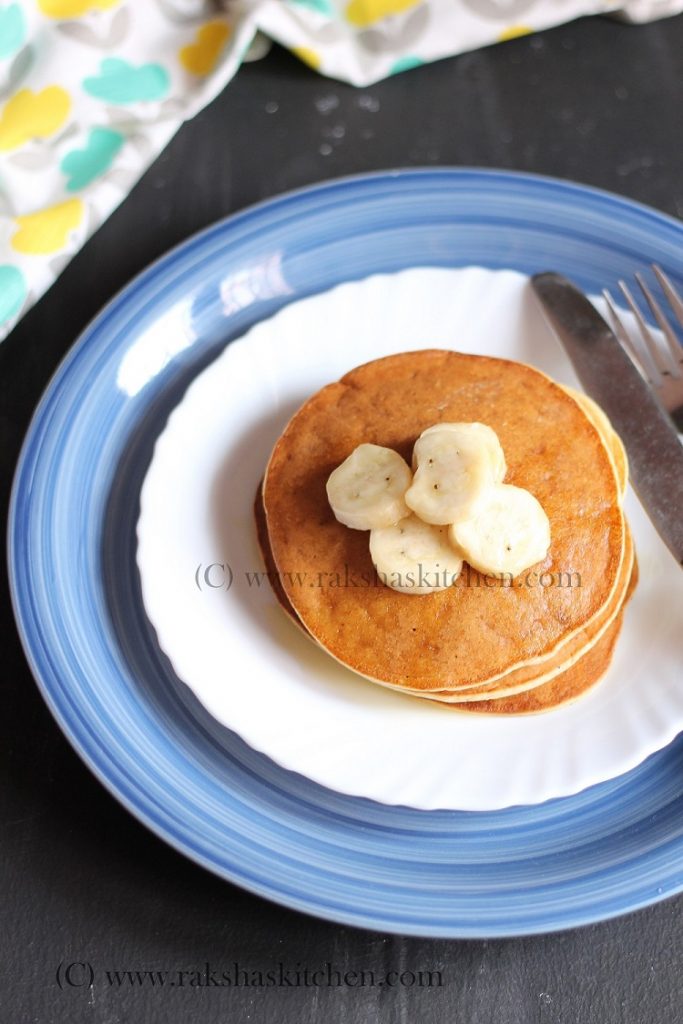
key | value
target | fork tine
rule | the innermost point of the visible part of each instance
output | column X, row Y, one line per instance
column 652, row 364
column 672, row 295
column 675, row 300
column 623, row 335
column 675, row 352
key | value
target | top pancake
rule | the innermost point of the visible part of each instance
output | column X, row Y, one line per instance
column 468, row 633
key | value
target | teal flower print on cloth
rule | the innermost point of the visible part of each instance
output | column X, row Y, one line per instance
column 321, row 6
column 12, row 30
column 405, row 64
column 120, row 82
column 81, row 166
column 12, row 292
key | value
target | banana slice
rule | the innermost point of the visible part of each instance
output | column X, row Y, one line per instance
column 487, row 437
column 508, row 532
column 414, row 557
column 366, row 491
column 456, row 462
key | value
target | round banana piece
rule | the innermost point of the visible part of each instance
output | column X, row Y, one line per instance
column 414, row 557
column 487, row 437
column 366, row 491
column 508, row 532
column 456, row 462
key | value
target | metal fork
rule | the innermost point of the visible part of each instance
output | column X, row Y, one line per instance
column 658, row 356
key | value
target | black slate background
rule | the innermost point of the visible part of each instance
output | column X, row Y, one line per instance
column 81, row 880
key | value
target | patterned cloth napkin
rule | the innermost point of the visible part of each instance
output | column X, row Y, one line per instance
column 92, row 90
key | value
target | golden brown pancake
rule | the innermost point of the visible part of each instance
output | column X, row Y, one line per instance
column 522, row 680
column 466, row 634
column 563, row 689
column 525, row 678
column 528, row 676
column 563, row 686
column 567, row 686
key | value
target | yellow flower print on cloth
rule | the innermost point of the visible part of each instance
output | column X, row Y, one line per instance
column 74, row 8
column 47, row 231
column 201, row 57
column 514, row 32
column 33, row 115
column 308, row 56
column 366, row 12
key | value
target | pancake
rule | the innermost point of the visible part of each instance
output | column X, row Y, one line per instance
column 528, row 676
column 465, row 635
column 566, row 687
column 518, row 680
column 563, row 689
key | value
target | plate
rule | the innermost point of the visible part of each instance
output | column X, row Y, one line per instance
column 76, row 591
column 205, row 594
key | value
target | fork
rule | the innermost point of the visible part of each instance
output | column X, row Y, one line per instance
column 658, row 356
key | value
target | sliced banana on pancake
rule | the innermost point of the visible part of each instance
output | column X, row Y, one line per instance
column 414, row 557
column 456, row 462
column 508, row 532
column 367, row 490
column 486, row 437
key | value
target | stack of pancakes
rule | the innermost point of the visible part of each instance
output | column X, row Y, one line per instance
column 485, row 644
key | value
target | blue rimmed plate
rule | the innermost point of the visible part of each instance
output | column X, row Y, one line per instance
column 77, row 597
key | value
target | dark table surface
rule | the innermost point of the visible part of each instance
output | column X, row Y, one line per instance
column 595, row 101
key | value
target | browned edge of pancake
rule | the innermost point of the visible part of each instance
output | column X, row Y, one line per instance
column 267, row 555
